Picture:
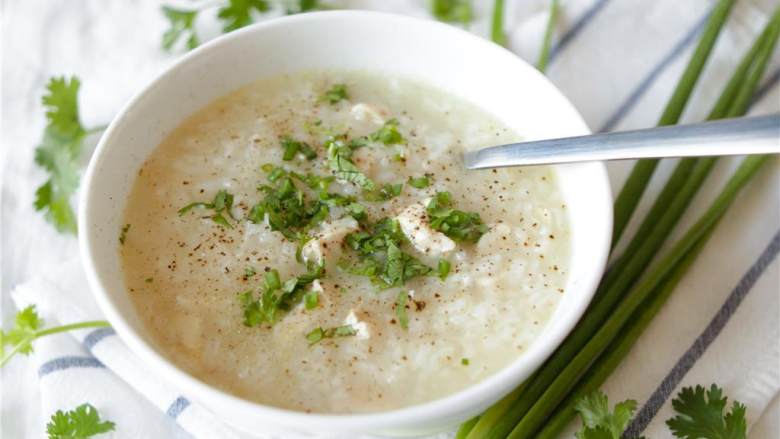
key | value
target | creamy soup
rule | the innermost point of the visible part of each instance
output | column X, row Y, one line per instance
column 313, row 242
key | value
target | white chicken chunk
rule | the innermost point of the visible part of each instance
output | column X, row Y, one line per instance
column 365, row 112
column 414, row 223
column 327, row 242
column 360, row 326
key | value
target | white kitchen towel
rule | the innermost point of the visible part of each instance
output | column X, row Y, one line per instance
column 616, row 60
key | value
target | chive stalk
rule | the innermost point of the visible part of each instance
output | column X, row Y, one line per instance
column 637, row 181
column 747, row 77
column 466, row 427
column 497, row 24
column 544, row 54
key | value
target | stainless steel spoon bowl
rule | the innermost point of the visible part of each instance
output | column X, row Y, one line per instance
column 750, row 135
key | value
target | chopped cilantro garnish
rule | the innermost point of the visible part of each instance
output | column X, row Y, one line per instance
column 339, row 162
column 380, row 257
column 292, row 147
column 311, row 299
column 123, row 233
column 419, row 182
column 388, row 134
column 400, row 309
column 464, row 361
column 223, row 202
column 238, row 13
column 356, row 210
column 250, row 271
column 386, row 192
column 317, row 334
column 80, row 423
column 289, row 211
column 335, row 94
column 457, row 224
column 276, row 297
column 443, row 268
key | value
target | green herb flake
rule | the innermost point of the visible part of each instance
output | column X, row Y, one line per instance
column 81, row 423
column 317, row 334
column 400, row 309
column 123, row 234
column 292, row 147
column 311, row 299
column 464, row 361
column 339, row 162
column 419, row 182
column 457, row 224
column 386, row 192
column 223, row 202
column 388, row 134
column 335, row 94
column 276, row 298
column 149, row 280
column 443, row 268
column 250, row 271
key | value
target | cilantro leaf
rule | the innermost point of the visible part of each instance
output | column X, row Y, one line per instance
column 388, row 134
column 598, row 422
column 222, row 203
column 339, row 162
column 453, row 10
column 277, row 298
column 317, row 334
column 335, row 94
column 59, row 152
column 238, row 13
column 457, row 224
column 292, row 147
column 388, row 191
column 400, row 309
column 443, row 268
column 26, row 325
column 80, row 423
column 182, row 25
column 700, row 415
column 419, row 182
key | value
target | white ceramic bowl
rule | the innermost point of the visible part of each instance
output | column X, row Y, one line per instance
column 442, row 55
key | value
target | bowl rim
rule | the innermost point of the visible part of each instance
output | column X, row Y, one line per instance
column 478, row 394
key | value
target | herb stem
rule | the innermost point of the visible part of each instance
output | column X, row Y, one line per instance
column 497, row 24
column 49, row 331
column 637, row 181
column 544, row 54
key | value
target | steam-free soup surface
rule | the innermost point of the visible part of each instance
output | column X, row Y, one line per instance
column 351, row 340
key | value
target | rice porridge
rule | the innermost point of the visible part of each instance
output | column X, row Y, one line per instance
column 313, row 242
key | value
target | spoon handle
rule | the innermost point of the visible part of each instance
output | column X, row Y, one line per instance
column 751, row 135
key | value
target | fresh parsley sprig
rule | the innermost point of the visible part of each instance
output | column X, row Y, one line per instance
column 599, row 422
column 700, row 415
column 233, row 14
column 59, row 152
column 28, row 328
column 80, row 423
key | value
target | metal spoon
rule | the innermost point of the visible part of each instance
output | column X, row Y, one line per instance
column 750, row 135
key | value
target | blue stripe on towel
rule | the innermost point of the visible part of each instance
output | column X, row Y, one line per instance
column 700, row 345
column 177, row 406
column 576, row 28
column 766, row 87
column 95, row 336
column 654, row 73
column 68, row 362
